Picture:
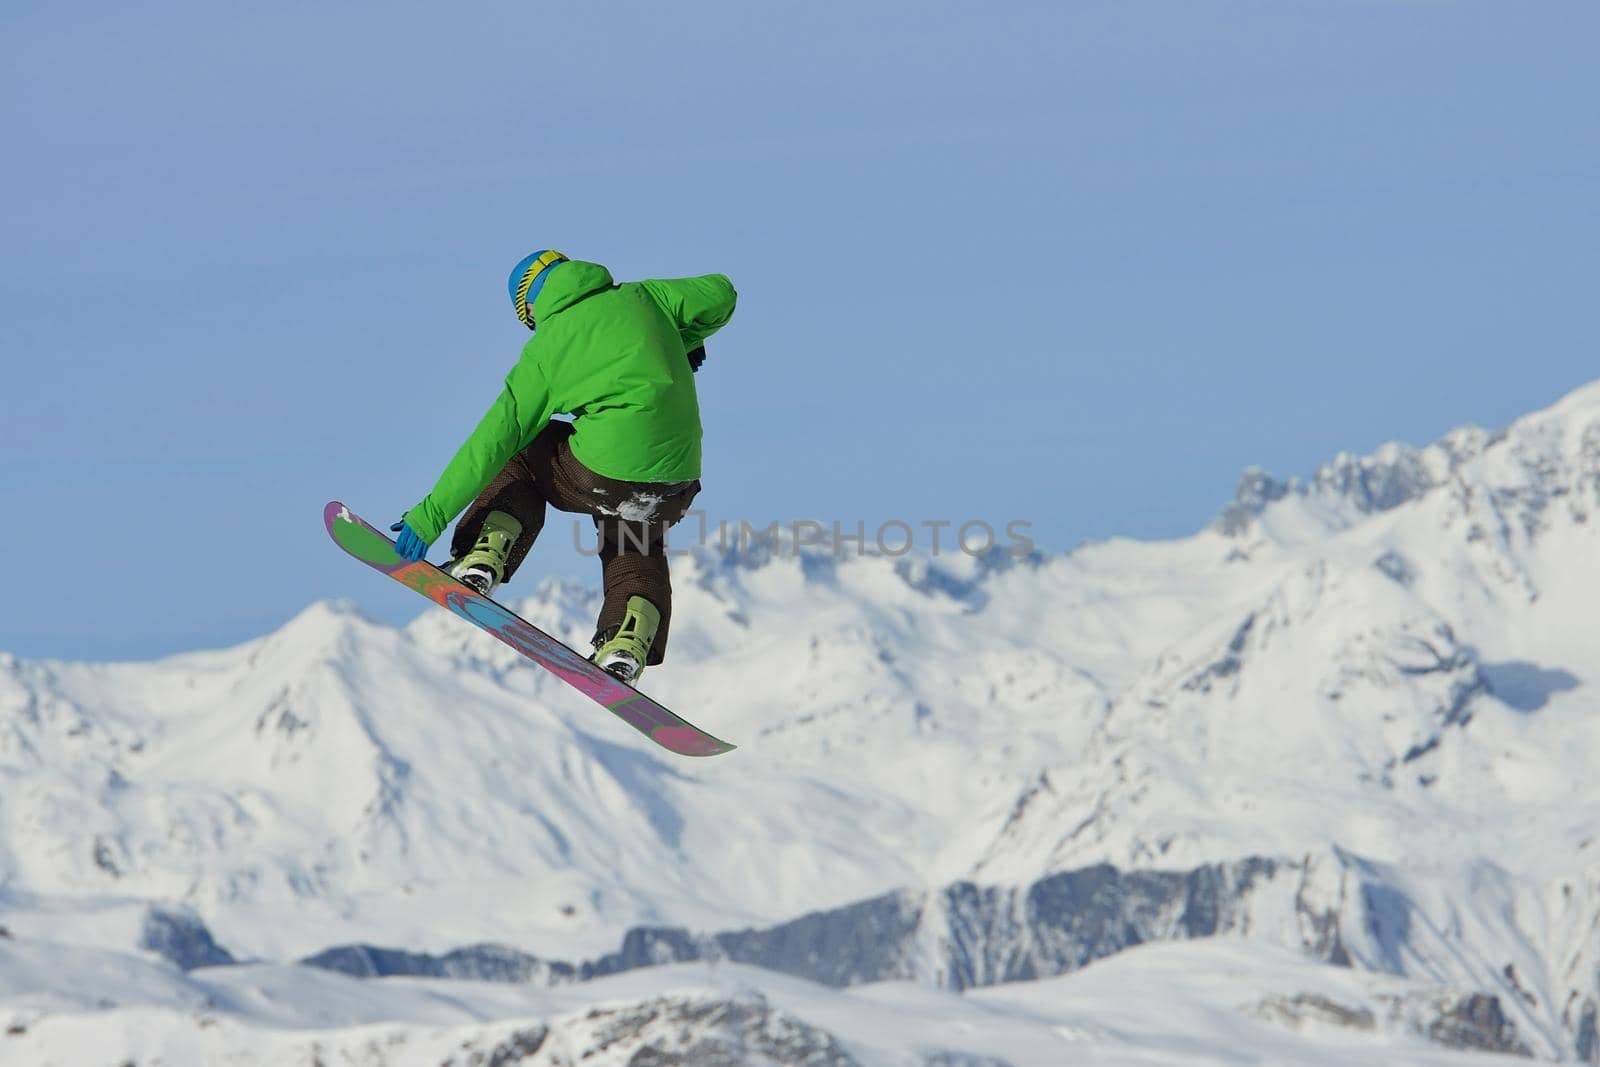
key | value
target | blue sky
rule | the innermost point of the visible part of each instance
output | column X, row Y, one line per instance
column 1077, row 263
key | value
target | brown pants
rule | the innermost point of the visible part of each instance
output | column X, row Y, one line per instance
column 631, row 519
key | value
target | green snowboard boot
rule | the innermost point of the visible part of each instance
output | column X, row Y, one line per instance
column 485, row 566
column 625, row 652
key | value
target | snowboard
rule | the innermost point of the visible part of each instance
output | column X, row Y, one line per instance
column 363, row 541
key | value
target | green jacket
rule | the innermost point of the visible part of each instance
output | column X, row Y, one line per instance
column 615, row 358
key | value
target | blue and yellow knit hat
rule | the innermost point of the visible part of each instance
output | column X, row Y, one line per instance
column 527, row 278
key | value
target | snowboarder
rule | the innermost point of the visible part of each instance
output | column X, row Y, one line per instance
column 619, row 359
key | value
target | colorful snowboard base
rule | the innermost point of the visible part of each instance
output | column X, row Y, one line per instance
column 363, row 541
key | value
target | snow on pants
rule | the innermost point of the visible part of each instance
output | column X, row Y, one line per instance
column 631, row 519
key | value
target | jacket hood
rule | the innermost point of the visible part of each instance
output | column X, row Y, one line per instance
column 566, row 284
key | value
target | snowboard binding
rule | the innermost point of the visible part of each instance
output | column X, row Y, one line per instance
column 624, row 654
column 484, row 568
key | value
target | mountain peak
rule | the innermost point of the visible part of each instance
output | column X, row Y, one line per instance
column 318, row 629
column 1350, row 486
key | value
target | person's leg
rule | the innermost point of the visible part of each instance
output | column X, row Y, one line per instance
column 520, row 491
column 633, row 561
column 633, row 555
column 632, row 519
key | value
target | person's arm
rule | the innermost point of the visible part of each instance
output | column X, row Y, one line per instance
column 518, row 414
column 699, row 306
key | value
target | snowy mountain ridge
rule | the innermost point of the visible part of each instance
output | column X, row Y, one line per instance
column 1371, row 688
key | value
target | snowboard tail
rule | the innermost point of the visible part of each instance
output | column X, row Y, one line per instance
column 363, row 541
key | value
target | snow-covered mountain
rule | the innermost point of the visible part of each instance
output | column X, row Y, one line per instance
column 1351, row 724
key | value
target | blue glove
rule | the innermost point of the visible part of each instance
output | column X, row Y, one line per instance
column 410, row 546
